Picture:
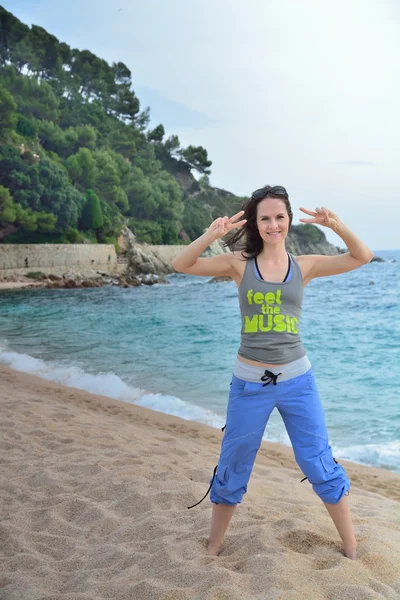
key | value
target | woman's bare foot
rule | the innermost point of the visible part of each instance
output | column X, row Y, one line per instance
column 350, row 550
column 214, row 548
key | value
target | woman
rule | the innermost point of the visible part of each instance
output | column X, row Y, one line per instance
column 272, row 368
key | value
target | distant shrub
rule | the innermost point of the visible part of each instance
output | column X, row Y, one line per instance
column 35, row 275
column 308, row 233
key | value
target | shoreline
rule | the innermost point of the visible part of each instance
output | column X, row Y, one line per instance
column 18, row 285
column 216, row 428
column 77, row 281
column 94, row 504
column 284, row 452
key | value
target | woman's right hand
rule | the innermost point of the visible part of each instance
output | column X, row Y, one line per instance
column 223, row 225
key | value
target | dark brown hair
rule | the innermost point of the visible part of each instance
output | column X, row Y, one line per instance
column 247, row 239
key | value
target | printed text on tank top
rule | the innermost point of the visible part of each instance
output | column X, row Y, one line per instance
column 270, row 313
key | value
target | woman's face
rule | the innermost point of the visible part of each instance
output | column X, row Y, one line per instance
column 272, row 220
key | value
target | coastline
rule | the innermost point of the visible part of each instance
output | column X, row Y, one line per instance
column 95, row 497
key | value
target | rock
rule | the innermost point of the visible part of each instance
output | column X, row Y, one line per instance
column 378, row 259
column 133, row 281
column 219, row 279
column 90, row 283
column 70, row 283
column 55, row 285
column 54, row 277
column 215, row 248
column 142, row 258
column 152, row 279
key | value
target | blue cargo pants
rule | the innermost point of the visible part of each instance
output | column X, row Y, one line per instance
column 249, row 407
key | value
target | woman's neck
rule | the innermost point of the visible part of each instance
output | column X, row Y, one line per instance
column 273, row 254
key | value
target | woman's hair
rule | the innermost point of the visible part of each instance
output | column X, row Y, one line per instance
column 247, row 239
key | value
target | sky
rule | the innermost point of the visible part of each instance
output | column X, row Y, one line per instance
column 304, row 94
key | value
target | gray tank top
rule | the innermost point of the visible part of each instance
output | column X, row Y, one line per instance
column 271, row 317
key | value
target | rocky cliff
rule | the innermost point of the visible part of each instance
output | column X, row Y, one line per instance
column 145, row 258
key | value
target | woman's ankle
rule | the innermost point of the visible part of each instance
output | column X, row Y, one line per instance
column 350, row 549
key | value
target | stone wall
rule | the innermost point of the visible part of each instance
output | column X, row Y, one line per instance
column 85, row 259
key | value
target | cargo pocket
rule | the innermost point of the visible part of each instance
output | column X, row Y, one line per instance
column 222, row 474
column 328, row 462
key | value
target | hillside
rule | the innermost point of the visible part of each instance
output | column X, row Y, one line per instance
column 78, row 160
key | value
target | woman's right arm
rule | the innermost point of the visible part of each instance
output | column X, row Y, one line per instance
column 189, row 260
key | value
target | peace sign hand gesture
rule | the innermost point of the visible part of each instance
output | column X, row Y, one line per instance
column 321, row 216
column 224, row 225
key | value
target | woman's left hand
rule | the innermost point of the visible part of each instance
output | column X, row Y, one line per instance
column 321, row 216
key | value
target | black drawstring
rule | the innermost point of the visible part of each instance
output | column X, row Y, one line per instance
column 212, row 480
column 208, row 491
column 269, row 377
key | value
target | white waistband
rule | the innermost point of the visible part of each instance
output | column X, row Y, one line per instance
column 252, row 373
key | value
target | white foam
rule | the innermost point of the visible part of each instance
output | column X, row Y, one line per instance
column 110, row 385
column 380, row 455
column 179, row 408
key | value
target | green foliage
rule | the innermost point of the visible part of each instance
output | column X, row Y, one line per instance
column 92, row 217
column 152, row 232
column 78, row 157
column 35, row 275
column 82, row 169
column 196, row 158
column 149, row 232
column 35, row 99
column 308, row 232
column 8, row 212
column 27, row 127
column 14, row 217
column 196, row 218
column 8, row 107
column 74, row 236
column 41, row 186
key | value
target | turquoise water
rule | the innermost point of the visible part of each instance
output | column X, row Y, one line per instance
column 172, row 348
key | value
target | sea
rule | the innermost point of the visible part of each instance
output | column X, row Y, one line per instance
column 172, row 347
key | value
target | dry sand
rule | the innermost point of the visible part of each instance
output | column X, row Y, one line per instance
column 93, row 506
column 17, row 285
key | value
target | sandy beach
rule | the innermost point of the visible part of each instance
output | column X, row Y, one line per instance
column 17, row 285
column 94, row 497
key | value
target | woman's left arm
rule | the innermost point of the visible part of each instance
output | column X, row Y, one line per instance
column 321, row 266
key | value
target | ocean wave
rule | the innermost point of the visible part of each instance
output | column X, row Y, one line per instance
column 385, row 455
column 110, row 385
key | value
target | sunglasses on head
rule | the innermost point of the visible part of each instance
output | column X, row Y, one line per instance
column 276, row 190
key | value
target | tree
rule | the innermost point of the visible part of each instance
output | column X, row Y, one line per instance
column 8, row 107
column 14, row 217
column 12, row 31
column 156, row 134
column 71, row 122
column 172, row 145
column 196, row 158
column 92, row 217
column 82, row 169
column 27, row 127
